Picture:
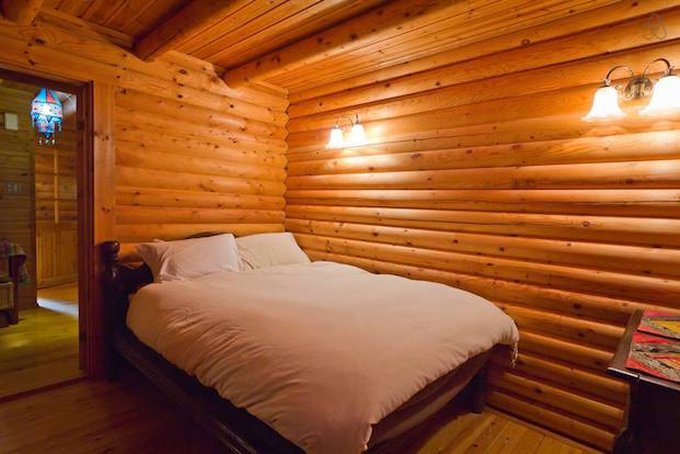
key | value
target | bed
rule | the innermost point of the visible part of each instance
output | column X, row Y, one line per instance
column 314, row 357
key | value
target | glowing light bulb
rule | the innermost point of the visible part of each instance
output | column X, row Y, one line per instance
column 605, row 105
column 357, row 136
column 665, row 98
column 336, row 139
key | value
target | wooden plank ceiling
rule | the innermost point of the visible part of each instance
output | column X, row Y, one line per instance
column 227, row 33
column 284, row 42
column 130, row 17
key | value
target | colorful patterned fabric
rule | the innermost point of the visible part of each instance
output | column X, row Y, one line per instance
column 655, row 349
column 9, row 249
column 47, row 114
column 661, row 324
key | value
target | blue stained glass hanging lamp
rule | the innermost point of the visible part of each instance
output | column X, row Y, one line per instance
column 47, row 115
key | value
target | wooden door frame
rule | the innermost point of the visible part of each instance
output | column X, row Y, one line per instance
column 90, row 308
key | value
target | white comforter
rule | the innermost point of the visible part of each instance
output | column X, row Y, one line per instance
column 320, row 352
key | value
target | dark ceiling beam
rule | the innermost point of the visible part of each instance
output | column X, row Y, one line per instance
column 187, row 22
column 21, row 11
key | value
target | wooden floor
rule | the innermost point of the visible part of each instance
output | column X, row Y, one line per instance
column 132, row 417
column 494, row 432
column 42, row 349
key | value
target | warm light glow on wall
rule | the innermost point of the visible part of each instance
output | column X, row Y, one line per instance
column 357, row 135
column 665, row 94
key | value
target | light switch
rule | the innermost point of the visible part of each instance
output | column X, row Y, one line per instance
column 11, row 121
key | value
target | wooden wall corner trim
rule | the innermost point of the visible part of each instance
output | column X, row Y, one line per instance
column 104, row 160
column 103, row 180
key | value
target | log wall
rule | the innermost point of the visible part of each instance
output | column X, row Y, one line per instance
column 148, row 178
column 191, row 154
column 17, row 223
column 183, row 169
column 480, row 174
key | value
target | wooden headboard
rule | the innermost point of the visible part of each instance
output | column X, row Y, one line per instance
column 121, row 279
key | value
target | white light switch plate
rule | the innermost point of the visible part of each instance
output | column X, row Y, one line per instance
column 11, row 121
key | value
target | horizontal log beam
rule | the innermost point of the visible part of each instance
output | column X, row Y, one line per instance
column 136, row 196
column 643, row 261
column 658, row 233
column 162, row 179
column 194, row 17
column 600, row 413
column 396, row 17
column 638, row 174
column 651, row 203
column 179, row 215
column 549, row 299
column 568, row 376
column 625, row 147
column 137, row 100
column 161, row 160
column 133, row 233
column 552, row 418
column 618, row 285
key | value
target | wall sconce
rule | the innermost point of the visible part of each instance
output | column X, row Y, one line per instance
column 357, row 134
column 665, row 94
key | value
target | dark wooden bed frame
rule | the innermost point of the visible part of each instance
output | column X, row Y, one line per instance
column 235, row 428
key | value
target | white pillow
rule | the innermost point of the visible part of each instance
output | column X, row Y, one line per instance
column 187, row 259
column 270, row 249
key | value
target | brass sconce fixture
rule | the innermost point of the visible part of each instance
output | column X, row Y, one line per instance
column 665, row 94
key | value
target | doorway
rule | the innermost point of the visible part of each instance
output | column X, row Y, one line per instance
column 40, row 143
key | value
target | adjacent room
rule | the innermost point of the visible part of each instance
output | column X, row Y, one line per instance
column 340, row 226
column 38, row 236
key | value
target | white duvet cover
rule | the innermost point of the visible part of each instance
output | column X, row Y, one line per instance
column 320, row 352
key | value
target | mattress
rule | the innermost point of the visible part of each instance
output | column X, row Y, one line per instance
column 320, row 352
column 426, row 402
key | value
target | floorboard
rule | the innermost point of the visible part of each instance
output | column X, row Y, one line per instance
column 131, row 416
column 42, row 349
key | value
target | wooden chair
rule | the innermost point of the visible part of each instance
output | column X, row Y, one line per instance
column 14, row 264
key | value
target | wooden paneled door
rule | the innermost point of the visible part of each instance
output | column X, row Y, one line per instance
column 57, row 248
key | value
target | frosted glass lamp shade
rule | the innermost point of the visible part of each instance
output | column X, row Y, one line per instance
column 336, row 140
column 357, row 135
column 665, row 98
column 605, row 105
